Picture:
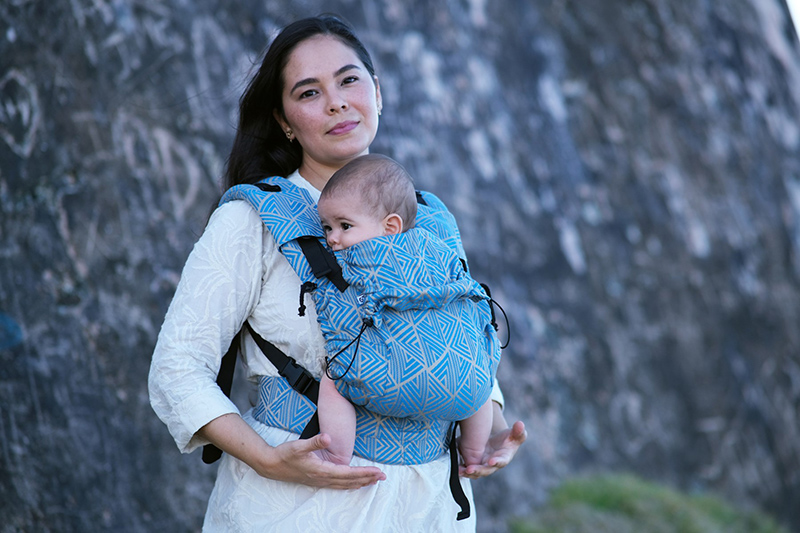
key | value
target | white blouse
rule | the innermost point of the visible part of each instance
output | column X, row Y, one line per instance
column 235, row 273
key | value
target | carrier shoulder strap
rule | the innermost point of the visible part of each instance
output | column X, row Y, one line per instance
column 295, row 374
column 322, row 262
column 224, row 380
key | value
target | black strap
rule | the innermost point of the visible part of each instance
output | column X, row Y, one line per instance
column 298, row 378
column 224, row 380
column 455, row 485
column 420, row 198
column 266, row 187
column 322, row 262
column 491, row 308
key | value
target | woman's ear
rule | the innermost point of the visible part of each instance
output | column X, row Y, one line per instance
column 392, row 224
column 378, row 97
column 279, row 118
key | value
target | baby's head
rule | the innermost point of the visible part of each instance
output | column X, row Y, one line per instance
column 369, row 197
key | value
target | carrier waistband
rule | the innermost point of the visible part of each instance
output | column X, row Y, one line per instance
column 379, row 438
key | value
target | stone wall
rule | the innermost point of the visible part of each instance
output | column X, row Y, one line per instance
column 625, row 176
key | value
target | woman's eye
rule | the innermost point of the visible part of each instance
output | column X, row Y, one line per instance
column 307, row 94
column 349, row 79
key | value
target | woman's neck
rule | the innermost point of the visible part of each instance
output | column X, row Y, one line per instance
column 317, row 175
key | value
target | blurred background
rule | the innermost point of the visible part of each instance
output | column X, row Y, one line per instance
column 625, row 175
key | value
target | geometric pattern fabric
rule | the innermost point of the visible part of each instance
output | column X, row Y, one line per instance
column 430, row 354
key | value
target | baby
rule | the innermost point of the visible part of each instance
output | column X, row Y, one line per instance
column 370, row 197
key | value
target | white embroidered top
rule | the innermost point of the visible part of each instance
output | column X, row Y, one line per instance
column 235, row 273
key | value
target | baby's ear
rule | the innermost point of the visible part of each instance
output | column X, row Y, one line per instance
column 392, row 224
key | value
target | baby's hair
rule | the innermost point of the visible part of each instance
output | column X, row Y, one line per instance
column 380, row 183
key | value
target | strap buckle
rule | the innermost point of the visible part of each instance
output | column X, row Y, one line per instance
column 298, row 377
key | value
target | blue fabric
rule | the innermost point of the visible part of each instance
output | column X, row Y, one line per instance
column 429, row 357
column 431, row 350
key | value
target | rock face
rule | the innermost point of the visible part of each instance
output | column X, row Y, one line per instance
column 625, row 175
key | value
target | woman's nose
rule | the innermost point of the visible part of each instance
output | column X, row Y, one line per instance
column 337, row 103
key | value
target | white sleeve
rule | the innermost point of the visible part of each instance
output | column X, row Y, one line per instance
column 497, row 395
column 218, row 289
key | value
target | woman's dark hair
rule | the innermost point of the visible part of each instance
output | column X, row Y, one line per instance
column 260, row 148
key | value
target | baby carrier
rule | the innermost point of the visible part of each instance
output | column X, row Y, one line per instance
column 412, row 336
column 411, row 341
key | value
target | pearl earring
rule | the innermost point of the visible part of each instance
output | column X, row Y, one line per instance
column 289, row 134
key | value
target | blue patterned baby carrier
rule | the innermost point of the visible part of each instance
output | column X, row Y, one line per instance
column 418, row 340
column 409, row 379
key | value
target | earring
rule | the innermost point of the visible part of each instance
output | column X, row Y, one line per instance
column 380, row 107
column 289, row 134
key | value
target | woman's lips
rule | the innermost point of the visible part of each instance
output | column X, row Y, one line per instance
column 343, row 127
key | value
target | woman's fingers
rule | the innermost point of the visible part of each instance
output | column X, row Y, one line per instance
column 354, row 477
column 320, row 473
column 499, row 452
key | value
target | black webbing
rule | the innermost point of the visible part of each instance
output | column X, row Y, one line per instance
column 455, row 485
column 266, row 187
column 224, row 380
column 322, row 262
column 298, row 378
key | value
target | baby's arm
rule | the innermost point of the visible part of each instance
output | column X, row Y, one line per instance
column 337, row 418
column 475, row 431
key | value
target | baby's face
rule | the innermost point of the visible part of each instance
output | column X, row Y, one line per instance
column 345, row 222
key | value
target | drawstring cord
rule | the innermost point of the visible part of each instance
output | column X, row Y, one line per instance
column 494, row 319
column 494, row 322
column 307, row 287
column 367, row 322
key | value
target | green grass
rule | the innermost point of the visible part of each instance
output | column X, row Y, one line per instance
column 626, row 504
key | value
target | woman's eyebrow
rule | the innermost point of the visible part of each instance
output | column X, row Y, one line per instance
column 309, row 81
column 345, row 69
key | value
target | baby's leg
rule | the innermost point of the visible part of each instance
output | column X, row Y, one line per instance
column 475, row 432
column 337, row 418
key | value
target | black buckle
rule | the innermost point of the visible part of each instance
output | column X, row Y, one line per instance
column 297, row 377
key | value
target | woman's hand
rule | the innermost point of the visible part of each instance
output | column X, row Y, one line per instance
column 294, row 461
column 500, row 449
column 297, row 462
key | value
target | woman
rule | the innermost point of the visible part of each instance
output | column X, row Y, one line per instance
column 312, row 107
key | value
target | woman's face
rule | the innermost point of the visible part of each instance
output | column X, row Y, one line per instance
column 330, row 102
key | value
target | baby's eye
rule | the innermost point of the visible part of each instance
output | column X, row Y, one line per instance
column 346, row 226
column 326, row 228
